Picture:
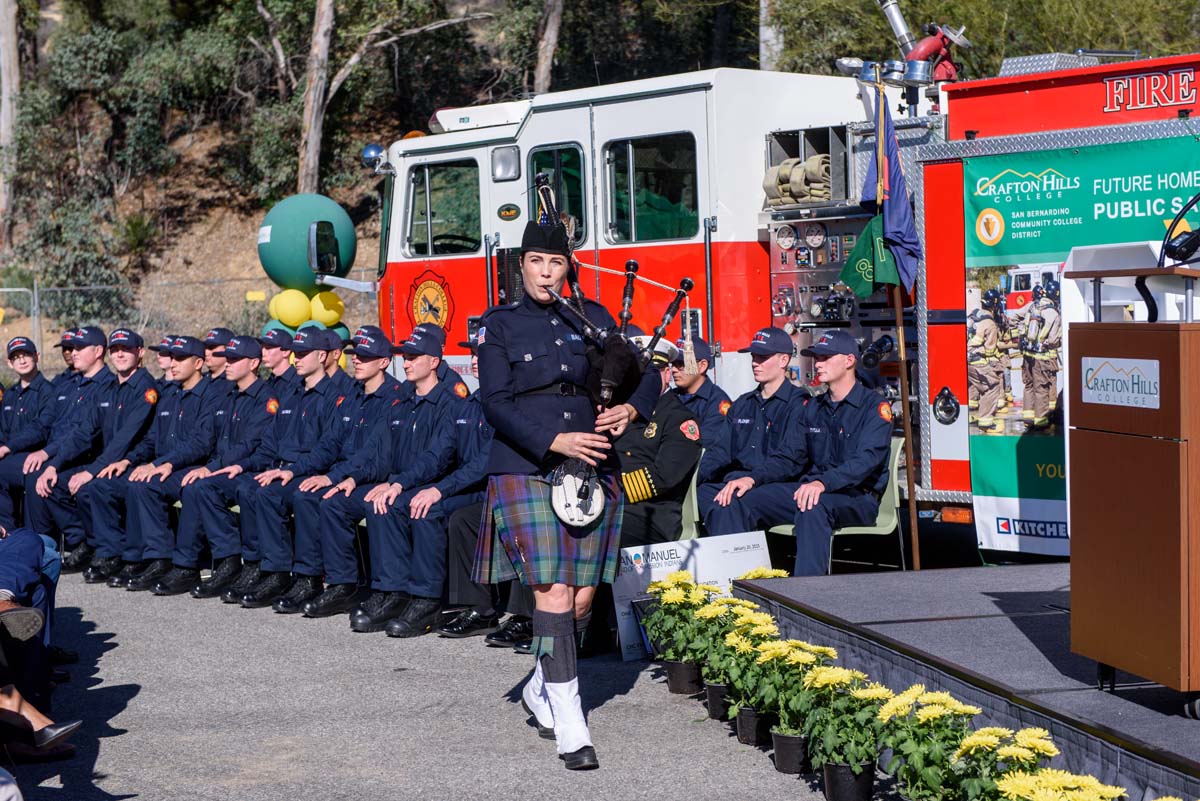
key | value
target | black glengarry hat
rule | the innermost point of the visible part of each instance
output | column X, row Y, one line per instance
column 544, row 239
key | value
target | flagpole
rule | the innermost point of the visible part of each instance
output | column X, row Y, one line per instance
column 898, row 304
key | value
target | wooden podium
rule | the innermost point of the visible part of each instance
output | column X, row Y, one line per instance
column 1134, row 448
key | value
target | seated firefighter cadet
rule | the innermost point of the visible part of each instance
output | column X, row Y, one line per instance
column 847, row 434
column 405, row 528
column 657, row 458
column 276, row 357
column 328, row 507
column 207, row 492
column 748, row 475
column 707, row 402
column 479, row 604
column 214, row 351
column 301, row 442
column 343, row 382
column 162, row 354
column 144, row 542
column 26, row 422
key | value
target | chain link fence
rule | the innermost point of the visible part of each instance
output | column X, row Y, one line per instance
column 153, row 308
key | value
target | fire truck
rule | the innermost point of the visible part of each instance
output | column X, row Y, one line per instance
column 685, row 175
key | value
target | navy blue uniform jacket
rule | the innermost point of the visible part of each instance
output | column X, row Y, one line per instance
column 298, row 428
column 849, row 442
column 756, row 441
column 239, row 425
column 28, row 415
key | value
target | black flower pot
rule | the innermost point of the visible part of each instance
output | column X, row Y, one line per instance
column 843, row 784
column 683, row 678
column 791, row 753
column 753, row 727
column 718, row 707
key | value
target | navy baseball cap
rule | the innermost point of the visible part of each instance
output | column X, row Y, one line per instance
column 217, row 337
column 125, row 338
column 702, row 349
column 243, row 348
column 331, row 339
column 767, row 342
column 306, row 341
column 19, row 344
column 833, row 342
column 425, row 340
column 276, row 338
column 89, row 335
column 68, row 339
column 371, row 343
column 187, row 346
column 164, row 344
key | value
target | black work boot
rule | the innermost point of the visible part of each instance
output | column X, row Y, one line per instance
column 120, row 580
column 268, row 590
column 250, row 576
column 304, row 589
column 378, row 610
column 419, row 618
column 335, row 599
column 225, row 572
column 100, row 569
column 178, row 581
column 155, row 569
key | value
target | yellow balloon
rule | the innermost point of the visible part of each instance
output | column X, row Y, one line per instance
column 327, row 308
column 292, row 307
column 271, row 306
column 342, row 361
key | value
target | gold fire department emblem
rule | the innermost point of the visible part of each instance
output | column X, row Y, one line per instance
column 430, row 300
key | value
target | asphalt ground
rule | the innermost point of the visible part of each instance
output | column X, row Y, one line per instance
column 186, row 700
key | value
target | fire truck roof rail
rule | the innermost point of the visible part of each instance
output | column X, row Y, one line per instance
column 1045, row 62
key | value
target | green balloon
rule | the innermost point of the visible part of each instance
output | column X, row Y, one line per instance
column 312, row 324
column 342, row 331
column 273, row 325
column 283, row 240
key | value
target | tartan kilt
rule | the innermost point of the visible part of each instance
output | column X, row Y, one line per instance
column 520, row 537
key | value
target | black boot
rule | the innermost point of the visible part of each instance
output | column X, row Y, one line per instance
column 336, row 599
column 155, row 569
column 225, row 572
column 304, row 589
column 245, row 582
column 101, row 568
column 120, row 580
column 268, row 590
column 419, row 618
column 515, row 630
column 378, row 610
column 78, row 559
column 178, row 581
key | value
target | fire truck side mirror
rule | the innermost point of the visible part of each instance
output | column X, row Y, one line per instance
column 322, row 248
column 1004, row 283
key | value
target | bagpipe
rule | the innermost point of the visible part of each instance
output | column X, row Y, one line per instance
column 616, row 361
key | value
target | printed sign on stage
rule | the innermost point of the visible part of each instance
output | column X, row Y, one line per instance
column 712, row 560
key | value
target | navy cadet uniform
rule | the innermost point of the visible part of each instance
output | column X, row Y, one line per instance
column 848, row 443
column 326, row 528
column 26, row 421
column 708, row 404
column 74, row 441
column 302, row 439
column 283, row 385
column 68, row 379
column 164, row 384
column 237, row 431
column 408, row 557
column 756, row 444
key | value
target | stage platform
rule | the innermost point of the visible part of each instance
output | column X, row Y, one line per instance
column 999, row 638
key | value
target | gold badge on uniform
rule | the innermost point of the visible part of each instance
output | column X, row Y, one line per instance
column 650, row 431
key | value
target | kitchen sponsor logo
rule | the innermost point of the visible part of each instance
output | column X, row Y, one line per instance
column 1046, row 529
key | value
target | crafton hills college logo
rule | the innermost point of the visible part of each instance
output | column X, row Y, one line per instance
column 430, row 300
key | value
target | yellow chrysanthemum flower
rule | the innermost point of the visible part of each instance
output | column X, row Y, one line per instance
column 942, row 698
column 674, row 595
column 959, row 708
column 771, row 651
column 742, row 602
column 1016, row 753
column 897, row 707
column 820, row 650
column 798, row 657
column 762, row 573
column 739, row 643
column 931, row 712
column 826, row 676
column 1017, row 785
column 995, row 731
column 710, row 611
column 680, row 577
column 713, row 588
column 976, row 741
column 1036, row 740
column 765, row 630
column 1062, row 779
column 697, row 596
column 1046, row 794
column 872, row 692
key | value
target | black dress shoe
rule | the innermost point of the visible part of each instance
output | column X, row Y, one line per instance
column 380, row 608
column 225, row 572
column 524, row 647
column 120, row 580
column 514, row 630
column 100, row 569
column 303, row 590
column 78, row 559
column 55, row 733
column 583, row 759
column 246, row 580
column 419, row 618
column 178, row 581
column 469, row 623
column 268, row 590
column 154, row 571
column 336, row 598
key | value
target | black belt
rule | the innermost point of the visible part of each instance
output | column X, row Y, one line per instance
column 563, row 390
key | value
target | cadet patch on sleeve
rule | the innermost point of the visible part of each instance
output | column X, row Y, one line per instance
column 690, row 430
column 151, row 396
column 272, row 406
column 480, row 336
column 885, row 411
column 460, row 389
column 338, row 402
column 724, row 407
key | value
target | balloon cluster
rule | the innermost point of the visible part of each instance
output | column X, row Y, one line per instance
column 283, row 252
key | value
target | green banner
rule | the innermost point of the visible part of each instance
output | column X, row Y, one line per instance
column 1019, row 467
column 1024, row 208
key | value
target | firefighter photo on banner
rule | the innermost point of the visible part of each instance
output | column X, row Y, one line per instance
column 1024, row 213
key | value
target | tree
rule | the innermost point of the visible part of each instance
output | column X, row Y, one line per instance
column 10, row 87
column 547, row 45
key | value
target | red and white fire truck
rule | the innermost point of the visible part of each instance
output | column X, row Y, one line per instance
column 1007, row 174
